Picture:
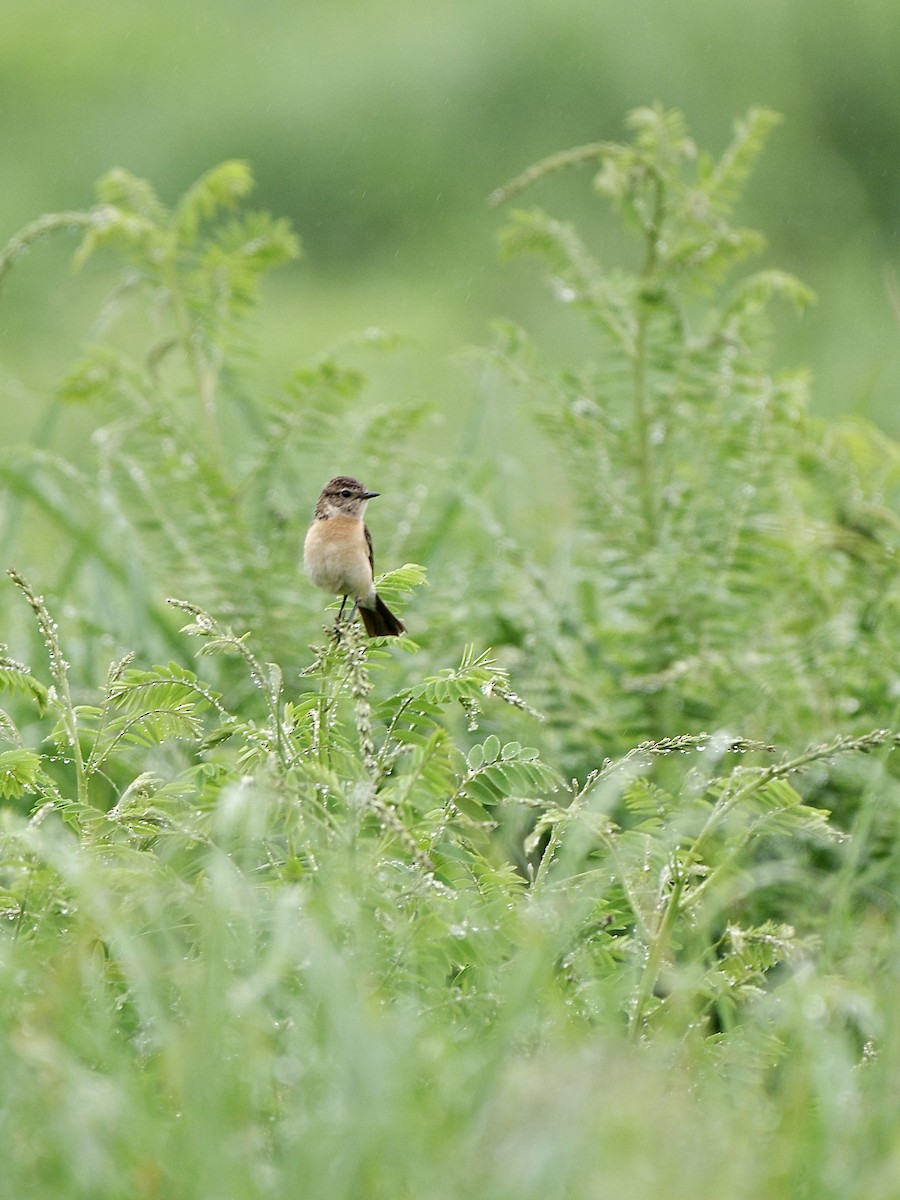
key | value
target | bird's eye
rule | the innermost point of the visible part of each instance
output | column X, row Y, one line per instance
column 346, row 493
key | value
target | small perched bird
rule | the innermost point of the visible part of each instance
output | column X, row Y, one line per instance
column 337, row 554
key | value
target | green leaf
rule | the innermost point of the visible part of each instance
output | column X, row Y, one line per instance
column 756, row 291
column 128, row 193
column 20, row 771
column 16, row 677
column 171, row 686
column 723, row 182
column 219, row 189
column 491, row 748
column 473, row 808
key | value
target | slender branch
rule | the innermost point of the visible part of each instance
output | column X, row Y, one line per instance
column 642, row 418
column 203, row 372
column 656, row 950
column 49, row 223
column 59, row 670
column 553, row 162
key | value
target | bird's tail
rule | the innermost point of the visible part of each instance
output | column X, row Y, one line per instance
column 380, row 621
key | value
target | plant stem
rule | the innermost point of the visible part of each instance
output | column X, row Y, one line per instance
column 49, row 223
column 203, row 373
column 355, row 657
column 639, row 360
column 642, row 427
column 655, row 953
column 59, row 669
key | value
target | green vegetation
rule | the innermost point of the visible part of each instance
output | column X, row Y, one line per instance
column 377, row 129
column 291, row 920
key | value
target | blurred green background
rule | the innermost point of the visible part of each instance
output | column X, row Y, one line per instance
column 380, row 126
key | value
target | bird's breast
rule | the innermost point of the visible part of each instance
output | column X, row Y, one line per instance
column 336, row 557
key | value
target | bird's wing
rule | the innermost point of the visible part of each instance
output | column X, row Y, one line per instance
column 369, row 545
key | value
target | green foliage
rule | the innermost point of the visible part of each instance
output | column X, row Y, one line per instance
column 715, row 574
column 327, row 915
column 287, row 920
column 207, row 483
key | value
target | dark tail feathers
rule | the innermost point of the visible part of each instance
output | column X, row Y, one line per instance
column 380, row 621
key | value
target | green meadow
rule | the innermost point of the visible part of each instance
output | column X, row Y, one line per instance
column 587, row 885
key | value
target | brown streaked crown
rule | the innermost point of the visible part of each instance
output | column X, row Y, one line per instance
column 343, row 495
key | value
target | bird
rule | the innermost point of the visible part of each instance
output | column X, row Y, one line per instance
column 337, row 554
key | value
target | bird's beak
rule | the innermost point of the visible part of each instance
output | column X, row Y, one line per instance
column 370, row 495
